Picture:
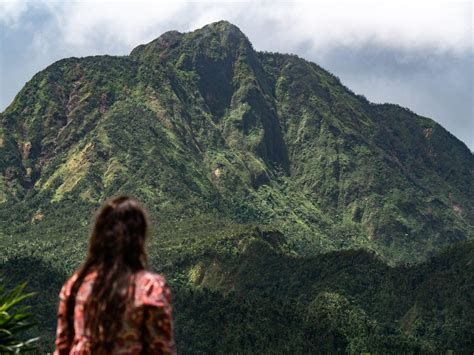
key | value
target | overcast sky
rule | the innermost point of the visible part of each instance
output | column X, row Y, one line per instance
column 418, row 54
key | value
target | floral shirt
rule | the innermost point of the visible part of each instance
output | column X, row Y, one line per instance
column 151, row 295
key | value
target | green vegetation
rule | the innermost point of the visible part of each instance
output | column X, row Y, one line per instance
column 285, row 207
column 266, row 300
column 14, row 321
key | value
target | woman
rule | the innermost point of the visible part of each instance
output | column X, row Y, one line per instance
column 112, row 305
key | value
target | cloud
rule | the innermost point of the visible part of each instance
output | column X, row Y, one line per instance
column 439, row 25
column 11, row 10
column 407, row 26
column 128, row 23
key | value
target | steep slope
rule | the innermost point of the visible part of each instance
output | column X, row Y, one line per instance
column 380, row 166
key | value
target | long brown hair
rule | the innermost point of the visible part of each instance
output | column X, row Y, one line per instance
column 116, row 253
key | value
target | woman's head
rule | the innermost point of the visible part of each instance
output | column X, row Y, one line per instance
column 119, row 234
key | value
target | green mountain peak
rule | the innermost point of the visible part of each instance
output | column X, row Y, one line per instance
column 217, row 39
column 200, row 123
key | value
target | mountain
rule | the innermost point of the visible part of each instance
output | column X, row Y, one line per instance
column 218, row 139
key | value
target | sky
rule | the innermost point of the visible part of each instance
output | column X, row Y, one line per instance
column 418, row 54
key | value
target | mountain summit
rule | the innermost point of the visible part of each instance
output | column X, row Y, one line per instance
column 201, row 124
column 217, row 37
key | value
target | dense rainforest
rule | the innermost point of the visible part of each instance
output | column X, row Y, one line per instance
column 297, row 215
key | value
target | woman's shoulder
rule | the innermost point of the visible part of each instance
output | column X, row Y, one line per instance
column 151, row 289
column 66, row 289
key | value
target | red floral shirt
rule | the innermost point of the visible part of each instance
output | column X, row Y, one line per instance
column 151, row 295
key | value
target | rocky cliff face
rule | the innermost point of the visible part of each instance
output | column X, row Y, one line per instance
column 200, row 124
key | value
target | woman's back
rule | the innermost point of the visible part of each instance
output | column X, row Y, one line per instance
column 146, row 322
